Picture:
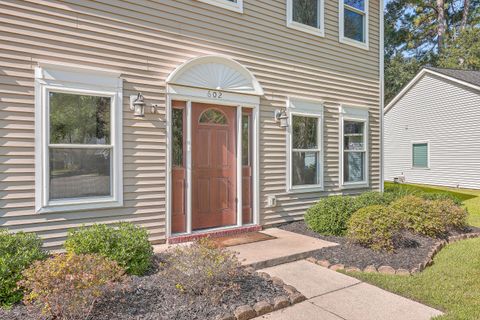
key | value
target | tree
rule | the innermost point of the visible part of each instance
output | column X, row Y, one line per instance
column 463, row 52
column 428, row 32
column 399, row 71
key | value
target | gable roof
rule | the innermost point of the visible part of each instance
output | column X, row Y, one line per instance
column 464, row 77
column 469, row 76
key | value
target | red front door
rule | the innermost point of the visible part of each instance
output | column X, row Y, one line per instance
column 213, row 166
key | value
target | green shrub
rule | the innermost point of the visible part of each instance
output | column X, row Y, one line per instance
column 125, row 243
column 453, row 216
column 432, row 218
column 329, row 216
column 419, row 216
column 402, row 190
column 373, row 198
column 67, row 285
column 441, row 196
column 202, row 268
column 17, row 252
column 374, row 227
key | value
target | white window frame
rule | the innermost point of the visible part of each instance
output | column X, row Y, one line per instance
column 225, row 4
column 427, row 142
column 306, row 108
column 341, row 24
column 74, row 80
column 357, row 114
column 320, row 31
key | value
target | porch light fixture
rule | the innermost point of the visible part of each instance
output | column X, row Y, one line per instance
column 137, row 105
column 281, row 115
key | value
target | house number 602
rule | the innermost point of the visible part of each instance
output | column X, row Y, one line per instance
column 214, row 94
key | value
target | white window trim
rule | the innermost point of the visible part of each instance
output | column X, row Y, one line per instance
column 345, row 40
column 428, row 154
column 71, row 79
column 225, row 4
column 307, row 108
column 320, row 31
column 359, row 114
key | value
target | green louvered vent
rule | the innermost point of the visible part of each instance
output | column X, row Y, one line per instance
column 420, row 155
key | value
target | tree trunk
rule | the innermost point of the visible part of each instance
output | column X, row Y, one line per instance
column 466, row 8
column 441, row 24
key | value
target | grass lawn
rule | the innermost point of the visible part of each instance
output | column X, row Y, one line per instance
column 452, row 284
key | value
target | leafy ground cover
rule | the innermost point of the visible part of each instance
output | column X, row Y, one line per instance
column 452, row 284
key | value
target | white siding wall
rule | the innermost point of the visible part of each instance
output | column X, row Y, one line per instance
column 448, row 116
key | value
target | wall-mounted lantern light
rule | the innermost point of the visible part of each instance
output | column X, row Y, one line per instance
column 282, row 117
column 137, row 105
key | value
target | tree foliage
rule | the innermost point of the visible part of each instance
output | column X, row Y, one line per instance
column 440, row 33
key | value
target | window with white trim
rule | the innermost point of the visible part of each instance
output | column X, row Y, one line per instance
column 78, row 132
column 354, row 22
column 233, row 5
column 306, row 15
column 354, row 146
column 305, row 145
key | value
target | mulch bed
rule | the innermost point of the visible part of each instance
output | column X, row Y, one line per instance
column 409, row 253
column 153, row 297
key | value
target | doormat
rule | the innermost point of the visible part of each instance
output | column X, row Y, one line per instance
column 243, row 238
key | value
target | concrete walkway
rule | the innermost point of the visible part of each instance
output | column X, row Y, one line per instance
column 335, row 296
column 285, row 247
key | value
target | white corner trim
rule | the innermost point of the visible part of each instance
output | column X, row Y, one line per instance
column 417, row 78
column 307, row 108
column 320, row 31
column 225, row 4
column 382, row 96
column 341, row 31
column 60, row 79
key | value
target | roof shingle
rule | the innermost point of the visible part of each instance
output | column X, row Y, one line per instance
column 469, row 76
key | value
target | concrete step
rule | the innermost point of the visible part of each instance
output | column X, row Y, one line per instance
column 285, row 247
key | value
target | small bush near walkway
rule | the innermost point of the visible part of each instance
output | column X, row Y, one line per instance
column 330, row 215
column 17, row 252
column 202, row 268
column 124, row 243
column 432, row 218
column 374, row 227
column 66, row 286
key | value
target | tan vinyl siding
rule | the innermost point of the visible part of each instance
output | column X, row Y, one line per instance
column 146, row 41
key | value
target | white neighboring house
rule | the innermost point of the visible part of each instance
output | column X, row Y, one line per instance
column 432, row 130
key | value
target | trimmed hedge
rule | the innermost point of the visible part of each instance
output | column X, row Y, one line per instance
column 124, row 243
column 374, row 227
column 432, row 218
column 17, row 252
column 329, row 216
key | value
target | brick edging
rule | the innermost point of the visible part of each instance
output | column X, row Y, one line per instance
column 390, row 270
column 260, row 308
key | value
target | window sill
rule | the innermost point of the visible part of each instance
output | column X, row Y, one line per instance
column 225, row 4
column 63, row 206
column 305, row 189
column 355, row 185
column 304, row 28
column 420, row 168
column 354, row 43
